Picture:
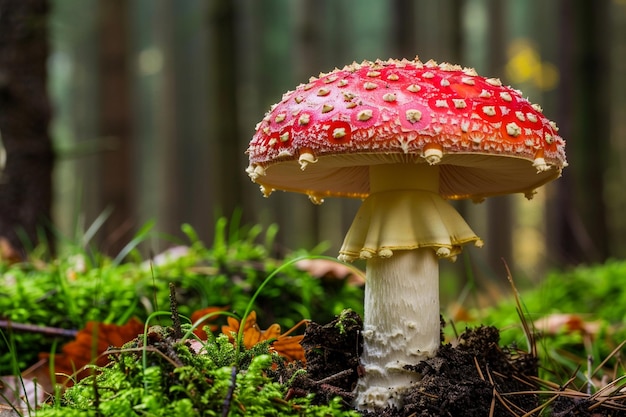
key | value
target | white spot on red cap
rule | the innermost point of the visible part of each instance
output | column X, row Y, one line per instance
column 413, row 115
column 364, row 115
column 513, row 129
column 506, row 96
column 489, row 110
column 339, row 132
column 323, row 92
column 414, row 88
column 304, row 119
column 459, row 103
column 370, row 86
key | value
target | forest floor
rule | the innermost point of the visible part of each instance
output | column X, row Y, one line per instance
column 475, row 377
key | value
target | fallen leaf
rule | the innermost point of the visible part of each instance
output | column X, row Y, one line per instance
column 88, row 346
column 287, row 346
column 555, row 323
column 325, row 268
column 8, row 253
column 197, row 315
column 22, row 393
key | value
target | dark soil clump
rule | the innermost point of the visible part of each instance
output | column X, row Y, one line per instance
column 474, row 378
column 332, row 358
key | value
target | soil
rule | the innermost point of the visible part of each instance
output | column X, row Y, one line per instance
column 473, row 377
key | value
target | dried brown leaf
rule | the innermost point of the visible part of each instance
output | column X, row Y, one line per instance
column 88, row 346
column 324, row 268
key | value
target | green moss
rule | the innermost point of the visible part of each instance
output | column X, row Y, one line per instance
column 218, row 381
column 83, row 285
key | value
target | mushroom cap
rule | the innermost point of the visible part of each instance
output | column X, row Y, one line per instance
column 486, row 138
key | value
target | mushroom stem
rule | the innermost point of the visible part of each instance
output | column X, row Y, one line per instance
column 402, row 229
column 401, row 324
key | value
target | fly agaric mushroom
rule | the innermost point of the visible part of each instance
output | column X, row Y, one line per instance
column 404, row 136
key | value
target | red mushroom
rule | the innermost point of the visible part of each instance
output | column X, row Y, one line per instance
column 404, row 136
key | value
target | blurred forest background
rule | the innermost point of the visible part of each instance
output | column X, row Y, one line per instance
column 152, row 104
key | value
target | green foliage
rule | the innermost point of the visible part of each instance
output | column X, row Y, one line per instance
column 203, row 384
column 83, row 285
column 594, row 294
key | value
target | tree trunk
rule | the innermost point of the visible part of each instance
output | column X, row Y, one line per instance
column 115, row 169
column 223, row 107
column 579, row 212
column 26, row 181
column 499, row 240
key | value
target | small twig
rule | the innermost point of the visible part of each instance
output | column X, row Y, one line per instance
column 480, row 372
column 229, row 394
column 492, row 407
column 346, row 395
column 139, row 349
column 540, row 407
column 509, row 405
column 589, row 374
column 34, row 328
column 178, row 331
column 530, row 337
column 613, row 353
column 334, row 377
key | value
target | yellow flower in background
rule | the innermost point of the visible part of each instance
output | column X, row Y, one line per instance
column 525, row 66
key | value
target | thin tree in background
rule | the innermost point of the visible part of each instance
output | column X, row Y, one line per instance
column 26, row 181
column 580, row 230
column 114, row 179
